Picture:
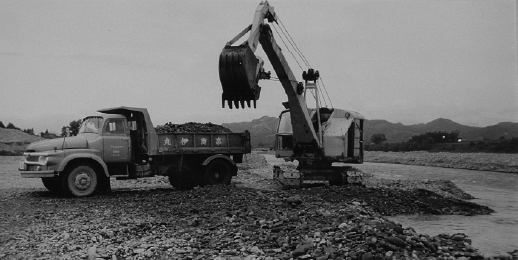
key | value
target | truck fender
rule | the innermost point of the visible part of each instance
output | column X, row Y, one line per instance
column 86, row 156
column 224, row 157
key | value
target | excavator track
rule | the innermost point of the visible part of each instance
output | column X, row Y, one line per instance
column 239, row 73
column 287, row 176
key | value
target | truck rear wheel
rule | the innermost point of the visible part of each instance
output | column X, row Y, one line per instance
column 52, row 184
column 79, row 181
column 218, row 172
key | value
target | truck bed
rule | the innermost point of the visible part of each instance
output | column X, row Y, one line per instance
column 185, row 143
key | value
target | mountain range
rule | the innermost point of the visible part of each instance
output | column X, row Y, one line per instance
column 262, row 130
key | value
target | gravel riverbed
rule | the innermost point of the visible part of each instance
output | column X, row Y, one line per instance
column 499, row 162
column 250, row 219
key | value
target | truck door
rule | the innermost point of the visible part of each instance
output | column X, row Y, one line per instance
column 116, row 141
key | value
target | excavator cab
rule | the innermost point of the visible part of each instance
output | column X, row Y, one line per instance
column 239, row 73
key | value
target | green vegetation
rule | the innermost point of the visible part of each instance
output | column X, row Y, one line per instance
column 74, row 126
column 12, row 126
column 378, row 138
column 445, row 142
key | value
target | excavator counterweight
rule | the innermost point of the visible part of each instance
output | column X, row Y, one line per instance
column 239, row 71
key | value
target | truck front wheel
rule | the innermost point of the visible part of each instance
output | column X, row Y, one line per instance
column 79, row 181
column 218, row 172
column 52, row 184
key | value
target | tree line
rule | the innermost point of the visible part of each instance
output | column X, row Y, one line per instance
column 12, row 126
column 74, row 126
column 440, row 141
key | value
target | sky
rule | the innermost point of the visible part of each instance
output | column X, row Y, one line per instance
column 402, row 61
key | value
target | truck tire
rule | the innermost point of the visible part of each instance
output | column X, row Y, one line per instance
column 52, row 184
column 104, row 184
column 181, row 181
column 218, row 172
column 79, row 181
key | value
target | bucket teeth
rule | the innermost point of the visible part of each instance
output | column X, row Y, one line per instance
column 238, row 73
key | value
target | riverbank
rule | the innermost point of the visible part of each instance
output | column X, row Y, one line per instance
column 147, row 219
column 471, row 161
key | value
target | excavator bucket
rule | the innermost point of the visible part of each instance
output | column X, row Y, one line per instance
column 239, row 73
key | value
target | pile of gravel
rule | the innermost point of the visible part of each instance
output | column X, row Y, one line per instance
column 217, row 222
column 191, row 127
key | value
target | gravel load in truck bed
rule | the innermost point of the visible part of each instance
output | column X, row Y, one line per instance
column 191, row 127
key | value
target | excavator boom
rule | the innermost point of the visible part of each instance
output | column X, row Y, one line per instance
column 240, row 71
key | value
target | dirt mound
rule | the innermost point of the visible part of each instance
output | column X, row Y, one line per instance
column 444, row 188
column 394, row 201
column 191, row 127
column 253, row 161
column 13, row 142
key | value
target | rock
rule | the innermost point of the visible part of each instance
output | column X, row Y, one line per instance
column 396, row 241
column 294, row 200
column 92, row 253
column 256, row 250
column 139, row 250
column 367, row 256
column 503, row 256
column 300, row 250
column 458, row 237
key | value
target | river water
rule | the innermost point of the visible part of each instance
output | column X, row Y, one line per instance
column 491, row 234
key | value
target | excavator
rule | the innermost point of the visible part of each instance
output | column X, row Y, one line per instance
column 324, row 140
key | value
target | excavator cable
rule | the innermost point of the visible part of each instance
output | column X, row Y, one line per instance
column 299, row 52
column 292, row 42
column 325, row 90
column 280, row 37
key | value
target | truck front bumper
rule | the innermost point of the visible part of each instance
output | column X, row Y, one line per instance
column 39, row 164
column 38, row 174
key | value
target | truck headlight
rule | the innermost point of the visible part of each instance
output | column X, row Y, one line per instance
column 43, row 160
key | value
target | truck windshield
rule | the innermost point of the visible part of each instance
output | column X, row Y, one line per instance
column 91, row 125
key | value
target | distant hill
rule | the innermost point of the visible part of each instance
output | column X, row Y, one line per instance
column 397, row 132
column 263, row 130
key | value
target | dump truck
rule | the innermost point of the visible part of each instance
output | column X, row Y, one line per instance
column 122, row 143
